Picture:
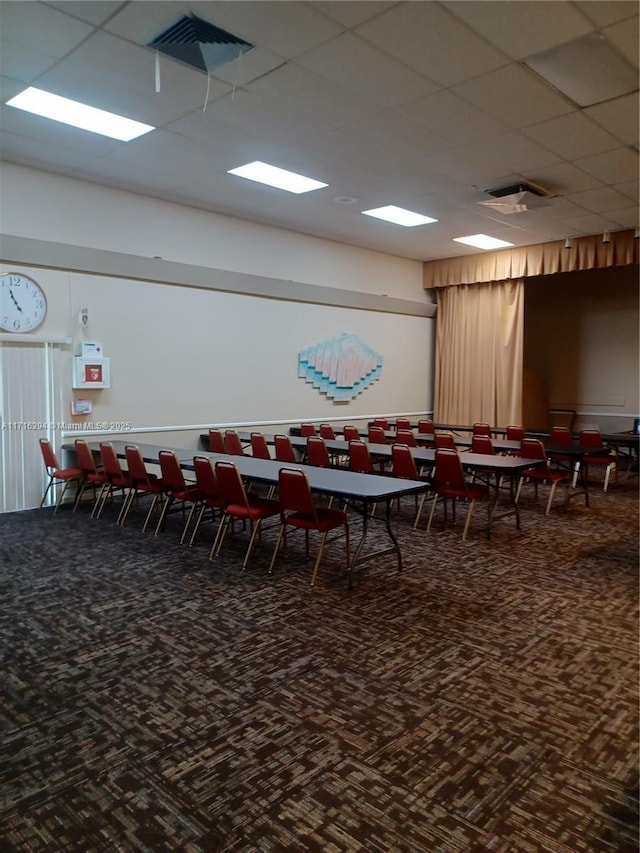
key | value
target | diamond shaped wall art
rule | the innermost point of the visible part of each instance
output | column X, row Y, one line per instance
column 341, row 367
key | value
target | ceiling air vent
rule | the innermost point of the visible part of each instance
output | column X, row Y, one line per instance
column 516, row 198
column 199, row 44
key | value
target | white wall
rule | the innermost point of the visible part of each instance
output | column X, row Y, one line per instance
column 184, row 355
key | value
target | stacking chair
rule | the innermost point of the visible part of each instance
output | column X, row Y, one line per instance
column 514, row 433
column 559, row 436
column 425, row 427
column 141, row 483
column 57, row 474
column 403, row 423
column 444, row 439
column 591, row 438
column 116, row 478
column 239, row 504
column 91, row 474
column 307, row 430
column 299, row 510
column 216, row 441
column 209, row 498
column 327, row 432
column 383, row 423
column 403, row 465
column 175, row 489
column 480, row 428
column 483, row 444
column 362, row 461
column 377, row 435
column 317, row 453
column 284, row 451
column 233, row 444
column 533, row 448
column 259, row 446
column 406, row 436
column 449, row 482
column 351, row 433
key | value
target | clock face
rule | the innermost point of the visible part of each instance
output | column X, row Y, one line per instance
column 23, row 305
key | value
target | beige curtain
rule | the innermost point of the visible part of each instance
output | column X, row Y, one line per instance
column 479, row 346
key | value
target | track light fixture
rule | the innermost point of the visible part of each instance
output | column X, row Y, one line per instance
column 567, row 243
column 606, row 237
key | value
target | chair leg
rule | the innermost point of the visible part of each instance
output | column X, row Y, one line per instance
column 433, row 509
column 319, row 558
column 155, row 500
column 419, row 512
column 275, row 550
column 255, row 533
column 198, row 520
column 550, row 501
column 163, row 514
column 467, row 522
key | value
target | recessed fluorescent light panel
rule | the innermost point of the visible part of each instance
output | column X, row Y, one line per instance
column 482, row 241
column 42, row 103
column 263, row 173
column 399, row 216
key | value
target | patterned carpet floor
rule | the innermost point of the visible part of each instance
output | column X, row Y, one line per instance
column 486, row 699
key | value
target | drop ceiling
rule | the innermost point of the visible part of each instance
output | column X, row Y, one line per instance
column 422, row 105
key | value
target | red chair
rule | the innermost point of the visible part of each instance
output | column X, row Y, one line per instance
column 351, row 433
column 259, row 446
column 284, row 452
column 91, row 474
column 426, row 427
column 57, row 474
column 403, row 465
column 141, row 483
column 376, row 435
column 210, row 497
column 299, row 510
column 444, row 439
column 306, row 430
column 482, row 444
column 558, row 437
column 216, row 441
column 591, row 438
column 327, row 432
column 406, row 436
column 175, row 489
column 403, row 423
column 449, row 482
column 533, row 448
column 317, row 453
column 233, row 444
column 383, row 423
column 239, row 504
column 116, row 478
column 480, row 428
column 514, row 433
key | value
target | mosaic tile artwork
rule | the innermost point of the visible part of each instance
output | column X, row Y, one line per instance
column 341, row 367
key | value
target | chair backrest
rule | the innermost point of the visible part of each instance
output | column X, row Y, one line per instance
column 590, row 438
column 402, row 462
column 381, row 422
column 444, row 439
column 515, row 433
column 448, row 469
column 560, row 435
column 480, row 428
column 259, row 446
column 232, row 443
column 406, row 436
column 426, row 427
column 230, row 484
column 327, row 431
column 110, row 461
column 482, row 444
column 307, row 430
column 317, row 453
column 216, row 441
column 294, row 492
column 351, row 433
column 376, row 435
column 360, row 458
column 86, row 462
column 205, row 476
column 171, row 471
column 48, row 454
column 403, row 423
column 135, row 464
column 532, row 448
column 283, row 449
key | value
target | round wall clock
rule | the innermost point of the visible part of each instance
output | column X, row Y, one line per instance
column 23, row 305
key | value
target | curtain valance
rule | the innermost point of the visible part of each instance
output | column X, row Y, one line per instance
column 540, row 259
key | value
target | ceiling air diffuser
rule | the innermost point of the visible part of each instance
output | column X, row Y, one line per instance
column 516, row 198
column 199, row 44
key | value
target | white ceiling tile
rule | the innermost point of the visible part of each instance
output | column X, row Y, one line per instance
column 563, row 178
column 421, row 35
column 350, row 13
column 590, row 224
column 605, row 12
column 620, row 117
column 41, row 28
column 515, row 95
column 631, row 189
column 601, row 200
column 524, row 28
column 249, row 66
column 94, row 12
column 449, row 116
column 624, row 36
column 572, row 136
column 627, row 218
column 612, row 167
column 353, row 63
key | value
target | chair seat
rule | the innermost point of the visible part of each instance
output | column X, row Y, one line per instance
column 66, row 473
column 472, row 491
column 326, row 519
column 258, row 508
column 546, row 474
